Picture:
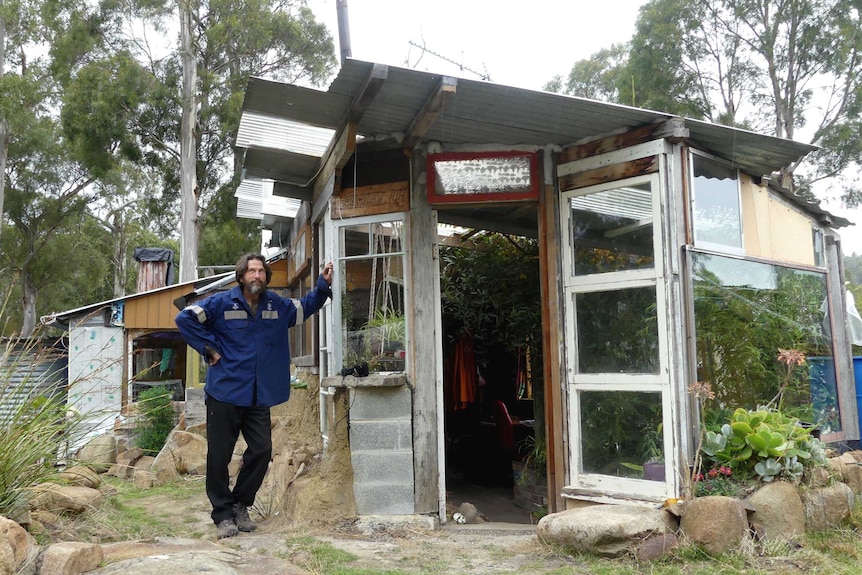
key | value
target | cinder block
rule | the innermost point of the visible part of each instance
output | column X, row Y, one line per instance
column 394, row 466
column 367, row 403
column 384, row 435
column 384, row 498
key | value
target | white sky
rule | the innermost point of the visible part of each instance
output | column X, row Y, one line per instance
column 523, row 44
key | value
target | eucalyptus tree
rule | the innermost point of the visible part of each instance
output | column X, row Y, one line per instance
column 791, row 68
column 230, row 41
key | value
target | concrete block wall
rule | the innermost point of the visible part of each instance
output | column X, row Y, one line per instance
column 381, row 450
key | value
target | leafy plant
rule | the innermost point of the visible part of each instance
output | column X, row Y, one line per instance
column 764, row 444
column 157, row 418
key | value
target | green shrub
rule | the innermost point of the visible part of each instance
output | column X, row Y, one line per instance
column 157, row 418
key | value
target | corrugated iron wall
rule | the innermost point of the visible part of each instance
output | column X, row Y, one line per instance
column 31, row 368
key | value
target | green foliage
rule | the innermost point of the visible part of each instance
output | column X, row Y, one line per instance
column 739, row 329
column 157, row 418
column 763, row 444
column 492, row 291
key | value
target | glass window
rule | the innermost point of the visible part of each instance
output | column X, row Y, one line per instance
column 622, row 433
column 617, row 331
column 745, row 313
column 302, row 335
column 612, row 230
column 717, row 216
column 371, row 272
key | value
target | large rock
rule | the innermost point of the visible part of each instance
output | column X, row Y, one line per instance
column 64, row 498
column 849, row 470
column 826, row 507
column 609, row 530
column 99, row 453
column 716, row 523
column 778, row 513
column 17, row 547
column 70, row 558
column 184, row 453
column 81, row 475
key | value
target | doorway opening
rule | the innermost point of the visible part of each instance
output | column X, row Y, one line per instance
column 492, row 376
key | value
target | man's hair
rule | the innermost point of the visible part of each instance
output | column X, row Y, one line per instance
column 242, row 267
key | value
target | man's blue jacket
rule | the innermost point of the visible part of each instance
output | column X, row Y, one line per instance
column 254, row 350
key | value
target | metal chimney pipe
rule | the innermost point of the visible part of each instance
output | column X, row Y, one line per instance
column 343, row 29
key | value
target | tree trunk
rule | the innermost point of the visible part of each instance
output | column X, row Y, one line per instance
column 3, row 136
column 188, row 181
column 119, row 233
column 28, row 301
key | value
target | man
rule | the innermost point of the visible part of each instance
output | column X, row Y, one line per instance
column 243, row 335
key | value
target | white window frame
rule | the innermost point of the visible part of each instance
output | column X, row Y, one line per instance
column 593, row 486
column 707, row 245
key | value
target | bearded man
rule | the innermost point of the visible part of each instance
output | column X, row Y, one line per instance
column 243, row 334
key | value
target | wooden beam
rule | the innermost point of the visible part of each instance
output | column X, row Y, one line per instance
column 343, row 143
column 673, row 129
column 611, row 173
column 501, row 225
column 556, row 427
column 431, row 110
column 366, row 95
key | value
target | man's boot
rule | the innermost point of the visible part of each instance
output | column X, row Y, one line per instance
column 240, row 515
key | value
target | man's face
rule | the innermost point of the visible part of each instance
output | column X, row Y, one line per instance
column 254, row 278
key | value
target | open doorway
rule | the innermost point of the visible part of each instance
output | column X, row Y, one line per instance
column 492, row 376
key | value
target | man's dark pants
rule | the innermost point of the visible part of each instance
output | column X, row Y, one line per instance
column 224, row 423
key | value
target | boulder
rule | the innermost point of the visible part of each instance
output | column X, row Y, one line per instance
column 130, row 456
column 81, row 475
column 70, row 558
column 99, row 453
column 64, row 498
column 825, row 507
column 716, row 523
column 145, row 479
column 17, row 547
column 657, row 547
column 778, row 515
column 184, row 453
column 145, row 463
column 850, row 471
column 608, row 530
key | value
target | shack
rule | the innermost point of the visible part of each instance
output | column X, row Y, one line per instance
column 668, row 255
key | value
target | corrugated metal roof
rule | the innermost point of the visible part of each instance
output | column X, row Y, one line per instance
column 483, row 113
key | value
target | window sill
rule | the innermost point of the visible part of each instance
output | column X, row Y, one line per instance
column 371, row 380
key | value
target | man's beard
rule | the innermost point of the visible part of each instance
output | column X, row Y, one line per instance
column 255, row 287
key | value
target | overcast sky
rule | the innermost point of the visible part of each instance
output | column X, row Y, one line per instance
column 524, row 44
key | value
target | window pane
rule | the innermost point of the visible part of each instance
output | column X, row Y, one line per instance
column 717, row 219
column 355, row 240
column 617, row 331
column 372, row 311
column 745, row 312
column 612, row 230
column 620, row 432
column 387, row 237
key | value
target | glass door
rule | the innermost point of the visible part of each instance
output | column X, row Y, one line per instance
column 616, row 335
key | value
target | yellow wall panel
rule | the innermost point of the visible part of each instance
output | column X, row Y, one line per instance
column 773, row 229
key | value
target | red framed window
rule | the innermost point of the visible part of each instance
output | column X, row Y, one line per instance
column 470, row 177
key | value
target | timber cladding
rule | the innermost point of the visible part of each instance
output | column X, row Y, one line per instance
column 371, row 200
column 611, row 173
